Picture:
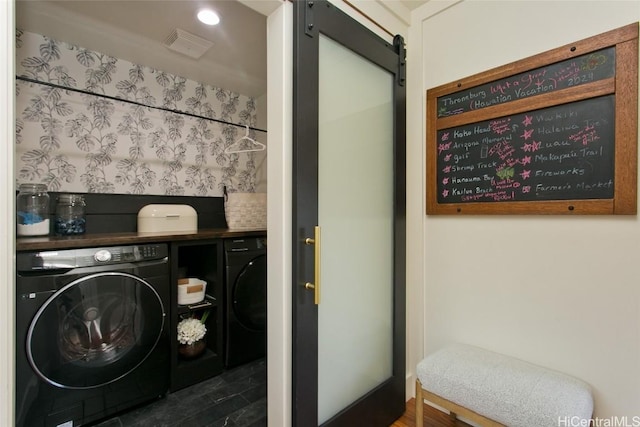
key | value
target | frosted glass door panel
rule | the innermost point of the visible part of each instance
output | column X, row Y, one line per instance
column 355, row 213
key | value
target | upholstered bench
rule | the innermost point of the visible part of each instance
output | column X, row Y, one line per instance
column 491, row 389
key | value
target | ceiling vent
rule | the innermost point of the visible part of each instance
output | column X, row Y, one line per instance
column 187, row 44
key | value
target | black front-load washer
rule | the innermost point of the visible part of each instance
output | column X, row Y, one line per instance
column 91, row 335
column 245, row 299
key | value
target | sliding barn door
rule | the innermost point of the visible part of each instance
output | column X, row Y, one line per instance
column 349, row 228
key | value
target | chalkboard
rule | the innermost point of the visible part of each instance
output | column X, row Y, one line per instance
column 555, row 133
column 572, row 72
column 558, row 153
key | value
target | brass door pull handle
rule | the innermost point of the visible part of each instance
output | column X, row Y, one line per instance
column 315, row 241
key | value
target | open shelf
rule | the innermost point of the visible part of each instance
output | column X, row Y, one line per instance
column 198, row 259
column 208, row 302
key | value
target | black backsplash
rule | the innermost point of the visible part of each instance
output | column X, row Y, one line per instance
column 118, row 213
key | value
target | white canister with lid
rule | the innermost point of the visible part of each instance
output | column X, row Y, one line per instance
column 32, row 209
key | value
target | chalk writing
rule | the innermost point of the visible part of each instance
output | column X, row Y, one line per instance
column 557, row 153
column 576, row 71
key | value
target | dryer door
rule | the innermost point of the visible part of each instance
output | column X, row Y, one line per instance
column 250, row 295
column 95, row 330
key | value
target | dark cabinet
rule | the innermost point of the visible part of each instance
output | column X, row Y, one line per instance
column 202, row 259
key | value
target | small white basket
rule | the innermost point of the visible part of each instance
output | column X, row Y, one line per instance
column 191, row 291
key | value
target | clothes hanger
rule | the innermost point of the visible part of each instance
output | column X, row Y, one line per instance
column 257, row 146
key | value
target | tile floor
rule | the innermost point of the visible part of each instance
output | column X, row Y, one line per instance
column 235, row 398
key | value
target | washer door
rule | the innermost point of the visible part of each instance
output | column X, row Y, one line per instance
column 95, row 330
column 250, row 295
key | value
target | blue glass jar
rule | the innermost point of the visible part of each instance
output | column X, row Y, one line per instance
column 70, row 215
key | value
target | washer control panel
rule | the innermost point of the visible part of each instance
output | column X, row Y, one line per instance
column 75, row 258
column 245, row 244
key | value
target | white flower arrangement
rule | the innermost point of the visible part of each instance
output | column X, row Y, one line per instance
column 191, row 330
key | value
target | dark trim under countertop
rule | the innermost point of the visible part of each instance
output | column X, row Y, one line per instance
column 130, row 238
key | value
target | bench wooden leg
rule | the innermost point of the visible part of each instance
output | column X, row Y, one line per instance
column 419, row 405
column 455, row 410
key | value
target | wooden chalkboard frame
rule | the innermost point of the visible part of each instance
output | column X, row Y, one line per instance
column 623, row 86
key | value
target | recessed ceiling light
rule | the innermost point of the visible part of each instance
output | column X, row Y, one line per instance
column 208, row 16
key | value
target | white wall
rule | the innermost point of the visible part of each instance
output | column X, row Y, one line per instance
column 7, row 195
column 561, row 292
column 279, row 220
column 389, row 17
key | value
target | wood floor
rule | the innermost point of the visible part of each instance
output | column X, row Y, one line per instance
column 432, row 417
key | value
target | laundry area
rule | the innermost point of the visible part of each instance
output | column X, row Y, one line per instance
column 106, row 329
column 141, row 214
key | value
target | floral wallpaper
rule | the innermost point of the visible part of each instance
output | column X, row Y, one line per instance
column 88, row 122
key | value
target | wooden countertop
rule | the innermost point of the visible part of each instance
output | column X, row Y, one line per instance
column 131, row 238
